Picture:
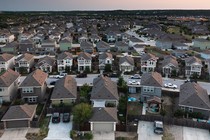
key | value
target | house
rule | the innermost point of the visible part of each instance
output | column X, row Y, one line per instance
column 126, row 63
column 139, row 48
column 104, row 92
column 193, row 65
column 164, row 43
column 87, row 47
column 121, row 46
column 84, row 61
column 201, row 43
column 24, row 62
column 64, row 61
column 194, row 98
column 104, row 59
column 27, row 46
column 111, row 37
column 178, row 53
column 48, row 45
column 82, row 39
column 205, row 54
column 169, row 65
column 180, row 46
column 102, row 46
column 148, row 62
column 65, row 91
column 19, row 116
column 25, row 36
column 133, row 41
column 65, row 44
column 94, row 38
column 6, row 37
column 46, row 64
column 8, row 85
column 33, row 87
column 11, row 48
column 103, row 119
column 6, row 61
column 151, row 86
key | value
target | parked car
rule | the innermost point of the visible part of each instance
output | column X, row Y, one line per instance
column 158, row 127
column 81, row 75
column 191, row 80
column 136, row 76
column 134, row 82
column 56, row 117
column 66, row 117
column 114, row 75
column 61, row 75
column 170, row 85
column 53, row 82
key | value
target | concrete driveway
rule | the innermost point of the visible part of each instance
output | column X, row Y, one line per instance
column 17, row 134
column 59, row 131
column 103, row 136
column 146, row 131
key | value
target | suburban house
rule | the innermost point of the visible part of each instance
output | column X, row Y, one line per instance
column 84, row 61
column 65, row 44
column 201, row 43
column 151, row 86
column 102, row 46
column 180, row 46
column 9, row 81
column 25, row 36
column 6, row 61
column 111, row 37
column 27, row 46
column 148, row 62
column 64, row 60
column 82, row 39
column 104, row 92
column 169, row 65
column 65, row 91
column 121, row 46
column 94, row 38
column 139, row 48
column 87, row 47
column 133, row 41
column 24, row 62
column 194, row 98
column 164, row 43
column 103, row 119
column 104, row 59
column 205, row 54
column 6, row 38
column 48, row 45
column 33, row 87
column 46, row 64
column 126, row 63
column 18, row 116
column 11, row 47
column 193, row 65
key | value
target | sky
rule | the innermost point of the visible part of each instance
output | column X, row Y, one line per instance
column 69, row 5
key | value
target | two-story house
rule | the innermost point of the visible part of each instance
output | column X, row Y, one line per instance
column 46, row 64
column 151, row 86
column 6, row 38
column 102, row 46
column 33, row 87
column 133, row 41
column 104, row 92
column 122, row 46
column 194, row 98
column 48, row 45
column 170, row 65
column 11, row 48
column 84, row 61
column 6, row 61
column 27, row 46
column 8, row 85
column 64, row 61
column 65, row 91
column 126, row 63
column 193, row 66
column 24, row 63
column 105, row 59
column 87, row 46
column 65, row 44
column 148, row 62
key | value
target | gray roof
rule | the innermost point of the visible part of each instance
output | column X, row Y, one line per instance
column 102, row 44
column 20, row 112
column 134, row 39
column 107, row 114
column 104, row 88
column 85, row 55
column 121, row 44
column 126, row 59
column 6, row 57
column 46, row 60
column 148, row 56
column 170, row 60
column 105, row 55
column 192, row 94
column 193, row 59
column 66, row 87
column 64, row 55
column 26, row 57
column 152, row 79
column 86, row 45
column 8, row 77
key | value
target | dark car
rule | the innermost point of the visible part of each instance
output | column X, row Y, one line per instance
column 56, row 117
column 66, row 117
column 52, row 83
column 114, row 75
column 81, row 75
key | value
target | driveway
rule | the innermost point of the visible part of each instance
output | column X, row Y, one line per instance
column 146, row 131
column 17, row 134
column 59, row 131
column 103, row 136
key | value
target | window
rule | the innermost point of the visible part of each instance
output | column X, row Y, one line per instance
column 148, row 89
column 27, row 90
column 32, row 99
column 1, row 89
column 190, row 109
column 145, row 89
column 183, row 108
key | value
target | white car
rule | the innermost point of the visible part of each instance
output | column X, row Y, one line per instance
column 133, row 82
column 61, row 75
column 170, row 85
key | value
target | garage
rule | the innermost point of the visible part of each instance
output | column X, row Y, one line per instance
column 103, row 127
column 17, row 124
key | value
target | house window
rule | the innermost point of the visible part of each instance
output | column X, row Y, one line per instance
column 32, row 99
column 190, row 109
column 27, row 90
column 1, row 89
column 183, row 108
column 145, row 89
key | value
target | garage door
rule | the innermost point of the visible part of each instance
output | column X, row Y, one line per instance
column 103, row 127
column 16, row 124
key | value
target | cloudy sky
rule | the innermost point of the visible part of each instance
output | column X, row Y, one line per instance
column 68, row 5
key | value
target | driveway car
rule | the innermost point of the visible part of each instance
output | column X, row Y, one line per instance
column 158, row 127
column 66, row 117
column 134, row 82
column 136, row 76
column 52, row 83
column 81, row 75
column 170, row 85
column 56, row 117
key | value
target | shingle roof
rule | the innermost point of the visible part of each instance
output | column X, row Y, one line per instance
column 104, row 88
column 49, row 60
column 126, row 59
column 8, row 77
column 107, row 114
column 193, row 59
column 134, row 39
column 170, row 60
column 20, row 112
column 64, row 55
column 105, row 55
column 36, row 78
column 148, row 56
column 152, row 79
column 102, row 44
column 6, row 57
column 26, row 57
column 192, row 94
column 66, row 87
column 85, row 55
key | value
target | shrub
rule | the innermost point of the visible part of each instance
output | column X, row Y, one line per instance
column 73, row 134
column 88, row 136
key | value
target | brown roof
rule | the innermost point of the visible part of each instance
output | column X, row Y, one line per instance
column 85, row 55
column 66, row 87
column 105, row 55
column 104, row 88
column 152, row 79
column 192, row 94
column 148, row 56
column 128, row 59
column 49, row 60
column 26, row 56
column 20, row 112
column 64, row 55
column 107, row 114
column 170, row 60
column 8, row 77
column 6, row 57
column 36, row 78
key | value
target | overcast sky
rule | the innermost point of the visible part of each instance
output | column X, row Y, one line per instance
column 68, row 5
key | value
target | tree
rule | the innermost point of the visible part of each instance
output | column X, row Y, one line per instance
column 82, row 113
column 122, row 85
column 108, row 68
column 84, row 92
column 67, row 69
column 87, row 69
